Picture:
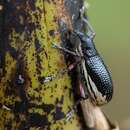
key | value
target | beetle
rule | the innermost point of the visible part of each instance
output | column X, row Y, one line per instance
column 98, row 82
column 98, row 79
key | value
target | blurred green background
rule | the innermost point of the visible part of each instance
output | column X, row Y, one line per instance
column 111, row 22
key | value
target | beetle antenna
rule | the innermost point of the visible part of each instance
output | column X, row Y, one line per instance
column 91, row 33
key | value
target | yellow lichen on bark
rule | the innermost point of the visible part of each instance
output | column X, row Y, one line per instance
column 29, row 58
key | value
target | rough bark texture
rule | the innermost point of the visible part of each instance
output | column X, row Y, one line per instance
column 27, row 30
column 27, row 56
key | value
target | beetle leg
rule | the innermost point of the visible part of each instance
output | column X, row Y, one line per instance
column 61, row 72
column 91, row 32
column 69, row 115
column 72, row 110
column 66, row 50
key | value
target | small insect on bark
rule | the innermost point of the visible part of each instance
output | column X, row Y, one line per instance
column 96, row 74
column 98, row 80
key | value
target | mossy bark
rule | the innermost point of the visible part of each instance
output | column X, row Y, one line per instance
column 28, row 29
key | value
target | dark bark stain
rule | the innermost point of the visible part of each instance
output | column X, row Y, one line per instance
column 24, row 126
column 37, row 44
column 45, row 107
column 21, row 107
column 13, row 52
column 15, row 16
column 32, row 5
column 41, row 79
column 35, row 119
column 2, row 45
column 51, row 32
column 38, row 59
column 8, row 125
column 20, row 79
column 58, row 114
column 60, row 101
column 9, row 88
column 48, row 107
